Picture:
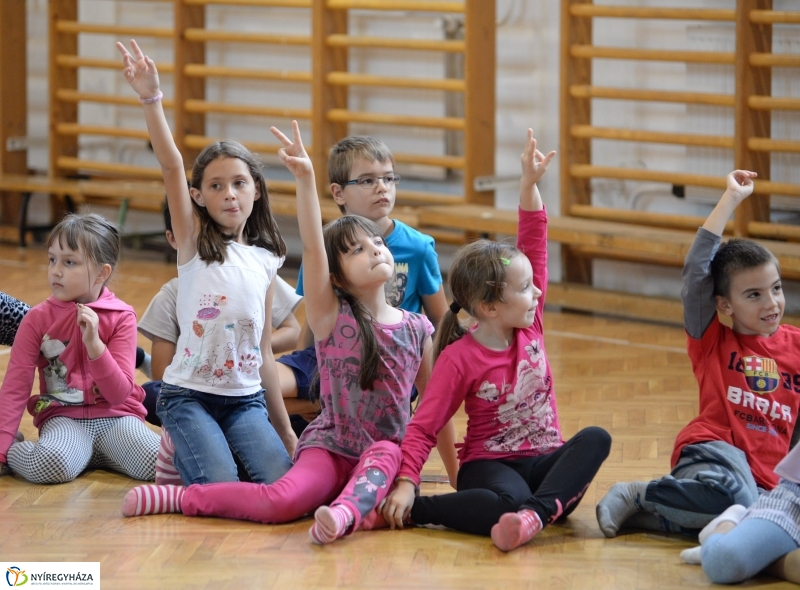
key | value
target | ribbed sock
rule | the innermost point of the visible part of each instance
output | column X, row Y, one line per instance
column 330, row 523
column 732, row 514
column 515, row 529
column 166, row 474
column 151, row 499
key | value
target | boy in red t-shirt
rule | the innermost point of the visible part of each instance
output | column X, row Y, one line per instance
column 749, row 378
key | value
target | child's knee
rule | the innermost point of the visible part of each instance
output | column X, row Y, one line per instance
column 388, row 453
column 596, row 438
column 54, row 465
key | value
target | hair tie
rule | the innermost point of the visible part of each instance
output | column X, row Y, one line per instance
column 455, row 307
column 505, row 261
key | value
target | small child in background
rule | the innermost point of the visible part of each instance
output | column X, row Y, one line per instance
column 749, row 381
column 517, row 474
column 370, row 355
column 82, row 340
column 220, row 399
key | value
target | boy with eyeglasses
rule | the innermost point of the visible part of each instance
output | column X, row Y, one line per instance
column 363, row 182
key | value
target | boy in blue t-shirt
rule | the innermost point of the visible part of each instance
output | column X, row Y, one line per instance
column 363, row 182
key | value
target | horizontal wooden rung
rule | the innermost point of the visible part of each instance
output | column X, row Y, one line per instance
column 75, row 27
column 199, row 142
column 768, row 187
column 454, row 162
column 594, row 10
column 348, row 79
column 774, row 231
column 591, row 132
column 409, row 5
column 205, row 35
column 78, row 129
column 705, row 57
column 765, row 144
column 128, row 170
column 428, row 198
column 345, row 116
column 774, row 60
column 704, row 98
column 666, row 220
column 769, row 17
column 262, row 3
column 203, row 71
column 773, row 103
column 340, row 40
column 66, row 95
column 589, row 171
column 204, row 106
column 76, row 61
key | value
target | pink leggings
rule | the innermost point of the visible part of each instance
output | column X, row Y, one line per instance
column 318, row 477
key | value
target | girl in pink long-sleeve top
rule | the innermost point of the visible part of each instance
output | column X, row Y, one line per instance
column 82, row 340
column 516, row 474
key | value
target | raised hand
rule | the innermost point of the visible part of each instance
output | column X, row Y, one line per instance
column 140, row 71
column 293, row 155
column 740, row 184
column 534, row 162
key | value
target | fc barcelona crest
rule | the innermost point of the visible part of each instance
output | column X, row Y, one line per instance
column 761, row 374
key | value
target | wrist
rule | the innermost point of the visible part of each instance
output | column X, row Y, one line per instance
column 403, row 481
column 150, row 100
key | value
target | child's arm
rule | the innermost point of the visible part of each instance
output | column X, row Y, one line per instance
column 18, row 382
column 697, row 294
column 162, row 352
column 286, row 335
column 271, row 384
column 322, row 305
column 435, row 306
column 140, row 72
column 534, row 165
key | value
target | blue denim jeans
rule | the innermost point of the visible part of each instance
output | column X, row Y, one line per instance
column 212, row 432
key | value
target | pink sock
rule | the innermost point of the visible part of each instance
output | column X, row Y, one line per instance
column 373, row 520
column 515, row 529
column 166, row 474
column 330, row 523
column 150, row 499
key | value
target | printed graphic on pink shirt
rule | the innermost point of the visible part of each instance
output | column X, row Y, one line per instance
column 526, row 415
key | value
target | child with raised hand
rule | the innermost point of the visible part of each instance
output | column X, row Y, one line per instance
column 517, row 474
column 82, row 339
column 370, row 354
column 220, row 400
column 748, row 376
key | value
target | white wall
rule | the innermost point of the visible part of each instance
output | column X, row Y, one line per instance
column 527, row 96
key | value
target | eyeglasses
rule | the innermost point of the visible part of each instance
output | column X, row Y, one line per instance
column 369, row 183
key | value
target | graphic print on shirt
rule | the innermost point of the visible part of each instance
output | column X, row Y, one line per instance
column 216, row 359
column 395, row 288
column 526, row 417
column 55, row 377
column 761, row 374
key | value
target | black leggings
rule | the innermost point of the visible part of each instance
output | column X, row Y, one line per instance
column 552, row 485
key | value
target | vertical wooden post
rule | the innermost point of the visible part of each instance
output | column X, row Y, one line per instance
column 62, row 78
column 574, row 111
column 186, row 87
column 13, row 100
column 324, row 96
column 479, row 98
column 752, row 38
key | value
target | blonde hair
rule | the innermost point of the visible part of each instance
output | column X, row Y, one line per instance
column 344, row 154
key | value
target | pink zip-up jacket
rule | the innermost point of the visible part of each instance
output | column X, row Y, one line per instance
column 70, row 384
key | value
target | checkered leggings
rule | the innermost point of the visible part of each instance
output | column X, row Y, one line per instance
column 67, row 446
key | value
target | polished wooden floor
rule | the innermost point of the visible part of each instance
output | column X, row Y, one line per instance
column 633, row 379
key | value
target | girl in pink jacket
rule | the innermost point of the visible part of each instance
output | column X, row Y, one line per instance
column 82, row 339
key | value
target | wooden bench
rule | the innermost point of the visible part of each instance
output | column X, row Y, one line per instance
column 125, row 194
column 605, row 240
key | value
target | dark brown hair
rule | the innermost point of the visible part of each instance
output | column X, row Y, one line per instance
column 260, row 228
column 94, row 235
column 735, row 256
